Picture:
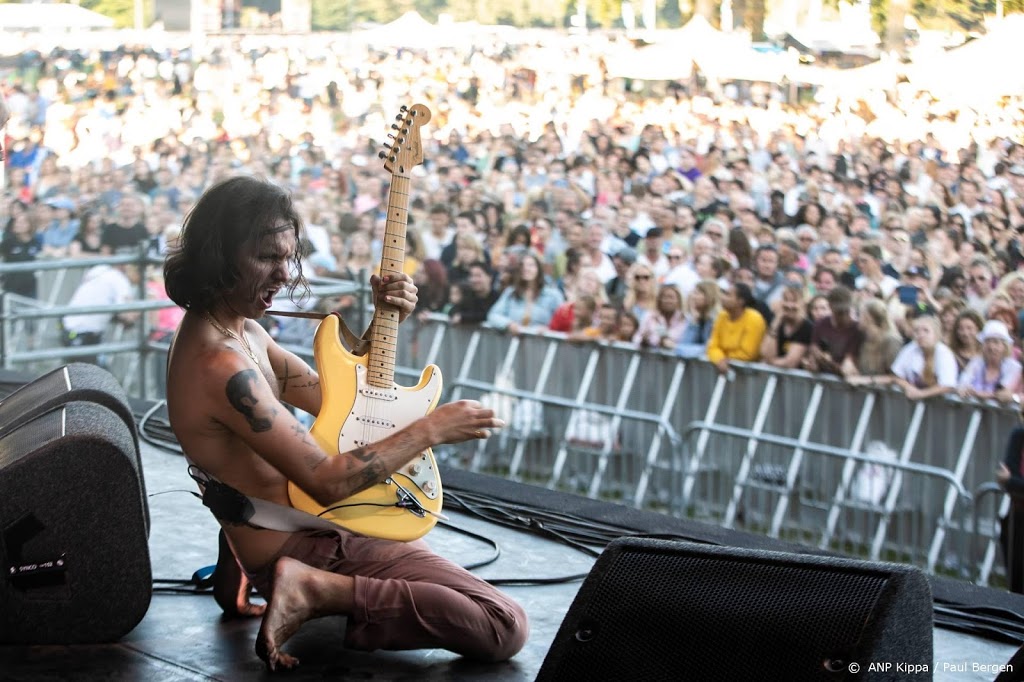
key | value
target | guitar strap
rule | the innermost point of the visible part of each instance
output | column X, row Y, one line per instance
column 357, row 345
column 231, row 506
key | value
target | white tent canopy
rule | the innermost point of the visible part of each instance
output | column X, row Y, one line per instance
column 983, row 68
column 50, row 16
column 409, row 30
column 719, row 55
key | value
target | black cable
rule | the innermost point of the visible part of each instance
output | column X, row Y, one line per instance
column 494, row 545
column 588, row 537
column 167, row 442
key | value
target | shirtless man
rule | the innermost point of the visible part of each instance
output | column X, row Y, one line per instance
column 227, row 380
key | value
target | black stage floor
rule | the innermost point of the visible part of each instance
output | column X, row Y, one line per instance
column 183, row 637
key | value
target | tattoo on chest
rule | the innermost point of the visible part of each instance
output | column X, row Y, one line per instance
column 242, row 396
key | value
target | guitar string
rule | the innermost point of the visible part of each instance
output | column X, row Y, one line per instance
column 393, row 226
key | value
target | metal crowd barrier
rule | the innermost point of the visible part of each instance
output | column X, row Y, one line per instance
column 789, row 454
column 31, row 334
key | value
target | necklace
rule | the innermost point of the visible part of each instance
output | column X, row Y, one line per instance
column 242, row 341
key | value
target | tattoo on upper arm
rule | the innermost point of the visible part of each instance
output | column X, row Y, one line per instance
column 283, row 379
column 306, row 380
column 243, row 398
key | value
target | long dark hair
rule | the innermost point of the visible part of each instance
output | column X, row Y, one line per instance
column 228, row 221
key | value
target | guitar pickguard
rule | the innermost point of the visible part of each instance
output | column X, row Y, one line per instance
column 378, row 413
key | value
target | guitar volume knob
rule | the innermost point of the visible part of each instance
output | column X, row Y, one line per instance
column 415, row 469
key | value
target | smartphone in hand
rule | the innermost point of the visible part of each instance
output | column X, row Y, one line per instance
column 907, row 294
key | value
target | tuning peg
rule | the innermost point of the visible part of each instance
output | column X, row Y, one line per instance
column 387, row 146
column 404, row 109
column 381, row 155
column 399, row 117
column 394, row 126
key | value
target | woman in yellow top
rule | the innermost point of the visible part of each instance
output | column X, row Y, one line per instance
column 738, row 330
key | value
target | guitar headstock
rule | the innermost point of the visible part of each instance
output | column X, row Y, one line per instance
column 407, row 149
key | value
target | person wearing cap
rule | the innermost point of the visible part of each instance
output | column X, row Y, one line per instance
column 995, row 374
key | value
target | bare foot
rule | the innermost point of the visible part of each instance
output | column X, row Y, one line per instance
column 289, row 608
column 231, row 587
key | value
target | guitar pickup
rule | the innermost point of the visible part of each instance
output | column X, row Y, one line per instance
column 378, row 394
column 374, row 421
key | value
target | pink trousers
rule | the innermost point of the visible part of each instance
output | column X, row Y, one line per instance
column 407, row 597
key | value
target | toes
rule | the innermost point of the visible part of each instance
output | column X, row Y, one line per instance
column 252, row 610
column 287, row 662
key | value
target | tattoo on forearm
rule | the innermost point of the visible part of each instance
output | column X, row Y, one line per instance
column 314, row 460
column 243, row 398
column 371, row 474
column 301, row 432
column 364, row 454
column 307, row 380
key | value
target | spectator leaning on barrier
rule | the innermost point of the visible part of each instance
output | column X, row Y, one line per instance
column 738, row 330
column 20, row 244
column 702, row 308
column 528, row 301
column 925, row 367
column 478, row 295
column 994, row 374
column 880, row 346
column 663, row 327
column 964, row 339
column 100, row 285
column 836, row 339
column 789, row 336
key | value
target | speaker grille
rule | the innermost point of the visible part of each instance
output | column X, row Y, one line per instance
column 678, row 614
column 23, row 441
column 706, row 588
column 37, row 392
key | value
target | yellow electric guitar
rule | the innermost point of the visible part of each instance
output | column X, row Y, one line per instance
column 361, row 403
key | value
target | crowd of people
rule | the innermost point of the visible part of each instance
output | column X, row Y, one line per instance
column 551, row 201
column 873, row 237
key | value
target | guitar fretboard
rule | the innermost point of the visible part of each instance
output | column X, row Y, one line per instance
column 384, row 337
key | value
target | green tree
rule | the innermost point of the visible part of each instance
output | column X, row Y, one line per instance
column 121, row 11
column 331, row 16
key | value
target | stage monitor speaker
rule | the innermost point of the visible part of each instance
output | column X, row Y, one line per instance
column 73, row 539
column 75, row 381
column 667, row 610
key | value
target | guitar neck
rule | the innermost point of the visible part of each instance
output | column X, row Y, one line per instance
column 384, row 334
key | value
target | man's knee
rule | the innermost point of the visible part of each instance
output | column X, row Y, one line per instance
column 511, row 630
